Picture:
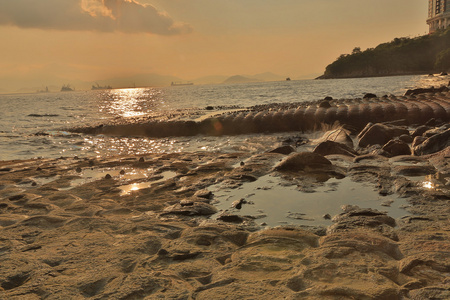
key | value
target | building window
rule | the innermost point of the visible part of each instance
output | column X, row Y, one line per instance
column 438, row 7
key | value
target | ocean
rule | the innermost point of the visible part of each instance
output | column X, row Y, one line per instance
column 35, row 125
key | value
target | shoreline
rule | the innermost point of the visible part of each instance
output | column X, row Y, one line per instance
column 88, row 228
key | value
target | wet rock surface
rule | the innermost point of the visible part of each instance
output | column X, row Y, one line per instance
column 148, row 230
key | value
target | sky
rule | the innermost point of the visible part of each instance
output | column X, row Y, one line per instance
column 49, row 41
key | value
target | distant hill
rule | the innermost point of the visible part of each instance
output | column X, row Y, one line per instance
column 213, row 79
column 402, row 56
column 240, row 79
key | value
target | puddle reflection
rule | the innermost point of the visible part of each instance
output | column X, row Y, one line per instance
column 275, row 204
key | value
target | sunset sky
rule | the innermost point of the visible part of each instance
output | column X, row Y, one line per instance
column 50, row 41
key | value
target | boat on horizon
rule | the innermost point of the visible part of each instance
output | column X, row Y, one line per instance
column 98, row 87
column 176, row 83
column 66, row 88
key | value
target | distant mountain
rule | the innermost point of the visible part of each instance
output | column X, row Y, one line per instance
column 240, row 79
column 213, row 79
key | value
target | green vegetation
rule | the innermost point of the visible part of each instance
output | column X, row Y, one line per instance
column 402, row 56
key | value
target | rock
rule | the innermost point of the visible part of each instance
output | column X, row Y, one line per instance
column 380, row 134
column 325, row 103
column 290, row 232
column 396, row 148
column 303, row 160
column 229, row 218
column 339, row 135
column 420, row 130
column 369, row 96
column 406, row 138
column 196, row 209
column 436, row 130
column 204, row 194
column 433, row 144
column 283, row 150
column 238, row 203
column 362, row 241
column 328, row 98
column 425, row 90
column 330, row 147
column 417, row 141
column 354, row 218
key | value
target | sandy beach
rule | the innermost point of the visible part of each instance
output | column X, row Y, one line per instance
column 147, row 227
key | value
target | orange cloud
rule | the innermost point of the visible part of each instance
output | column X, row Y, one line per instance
column 89, row 15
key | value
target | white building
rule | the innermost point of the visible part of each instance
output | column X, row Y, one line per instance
column 438, row 14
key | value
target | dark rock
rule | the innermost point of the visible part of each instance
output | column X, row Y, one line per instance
column 330, row 147
column 303, row 160
column 162, row 252
column 369, row 96
column 380, row 134
column 420, row 130
column 434, row 144
column 396, row 148
column 406, row 138
column 185, row 256
column 209, row 107
column 425, row 90
column 417, row 141
column 325, row 104
column 16, row 197
column 283, row 150
column 328, row 98
column 225, row 217
column 238, row 203
column 107, row 176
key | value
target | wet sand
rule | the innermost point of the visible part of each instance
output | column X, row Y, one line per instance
column 150, row 227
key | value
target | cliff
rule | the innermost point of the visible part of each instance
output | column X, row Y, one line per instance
column 402, row 56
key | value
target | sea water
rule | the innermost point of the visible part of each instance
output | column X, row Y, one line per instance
column 35, row 125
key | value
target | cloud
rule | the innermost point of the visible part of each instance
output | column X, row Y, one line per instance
column 127, row 16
